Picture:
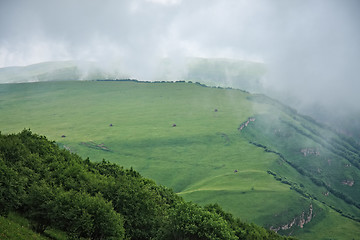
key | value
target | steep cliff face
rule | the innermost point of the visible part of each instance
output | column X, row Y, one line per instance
column 300, row 221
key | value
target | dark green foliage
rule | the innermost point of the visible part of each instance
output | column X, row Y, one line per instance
column 189, row 221
column 38, row 204
column 87, row 216
column 54, row 188
column 47, row 186
column 11, row 189
column 136, row 198
column 77, row 213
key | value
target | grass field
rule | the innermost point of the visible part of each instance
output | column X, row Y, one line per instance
column 17, row 227
column 12, row 230
column 184, row 136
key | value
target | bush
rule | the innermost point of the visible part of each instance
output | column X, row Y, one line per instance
column 82, row 215
column 189, row 221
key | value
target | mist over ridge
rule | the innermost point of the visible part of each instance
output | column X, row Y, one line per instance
column 259, row 155
column 310, row 48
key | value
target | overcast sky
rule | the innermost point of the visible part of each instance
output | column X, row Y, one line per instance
column 311, row 47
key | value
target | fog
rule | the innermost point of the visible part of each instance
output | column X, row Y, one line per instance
column 310, row 47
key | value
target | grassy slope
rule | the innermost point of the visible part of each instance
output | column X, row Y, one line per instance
column 17, row 227
column 291, row 136
column 197, row 158
column 13, row 230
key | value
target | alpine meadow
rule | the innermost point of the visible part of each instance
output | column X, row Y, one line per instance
column 180, row 120
column 252, row 155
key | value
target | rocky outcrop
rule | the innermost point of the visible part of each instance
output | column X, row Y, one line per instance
column 348, row 182
column 310, row 151
column 300, row 221
column 246, row 123
column 304, row 220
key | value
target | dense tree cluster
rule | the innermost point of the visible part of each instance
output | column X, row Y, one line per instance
column 55, row 188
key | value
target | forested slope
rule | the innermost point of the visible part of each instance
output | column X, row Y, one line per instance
column 56, row 189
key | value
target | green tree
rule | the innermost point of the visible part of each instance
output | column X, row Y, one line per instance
column 82, row 215
column 190, row 221
column 11, row 189
column 38, row 204
column 137, row 199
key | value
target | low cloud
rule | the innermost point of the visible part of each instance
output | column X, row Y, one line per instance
column 311, row 48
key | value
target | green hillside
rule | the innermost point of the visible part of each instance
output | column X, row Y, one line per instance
column 11, row 229
column 257, row 158
column 50, row 191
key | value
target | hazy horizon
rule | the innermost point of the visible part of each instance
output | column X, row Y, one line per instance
column 311, row 48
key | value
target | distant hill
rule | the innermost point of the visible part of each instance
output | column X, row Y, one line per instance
column 211, row 71
column 254, row 156
column 57, row 71
column 221, row 72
